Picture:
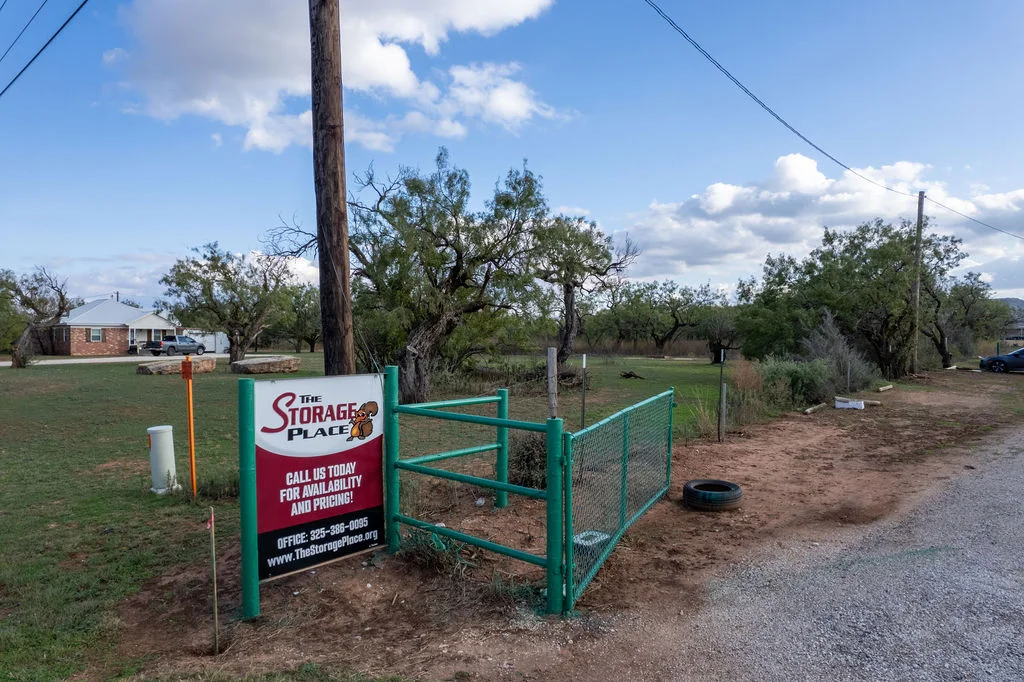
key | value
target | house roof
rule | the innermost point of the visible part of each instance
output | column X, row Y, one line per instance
column 108, row 313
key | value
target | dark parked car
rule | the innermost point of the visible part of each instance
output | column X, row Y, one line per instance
column 1007, row 362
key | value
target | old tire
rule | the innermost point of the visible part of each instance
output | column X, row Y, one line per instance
column 998, row 366
column 170, row 351
column 711, row 495
column 200, row 350
column 155, row 353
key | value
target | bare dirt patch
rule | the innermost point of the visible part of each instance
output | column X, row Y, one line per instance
column 123, row 466
column 805, row 478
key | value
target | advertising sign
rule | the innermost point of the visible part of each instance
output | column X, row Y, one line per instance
column 319, row 460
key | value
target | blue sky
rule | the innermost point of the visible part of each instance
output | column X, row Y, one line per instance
column 152, row 126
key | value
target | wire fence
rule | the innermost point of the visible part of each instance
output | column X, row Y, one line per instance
column 617, row 469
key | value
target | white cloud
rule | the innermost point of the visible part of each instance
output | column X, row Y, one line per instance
column 217, row 139
column 797, row 173
column 304, row 270
column 572, row 211
column 726, row 231
column 489, row 92
column 114, row 55
column 246, row 63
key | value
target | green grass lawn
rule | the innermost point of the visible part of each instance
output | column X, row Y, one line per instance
column 80, row 530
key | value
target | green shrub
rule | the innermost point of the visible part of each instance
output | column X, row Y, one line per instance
column 527, row 459
column 808, row 382
column 848, row 369
column 436, row 553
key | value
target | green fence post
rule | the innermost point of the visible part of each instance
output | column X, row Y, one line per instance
column 555, row 578
column 391, row 457
column 625, row 470
column 671, row 419
column 247, row 497
column 501, row 466
column 570, row 546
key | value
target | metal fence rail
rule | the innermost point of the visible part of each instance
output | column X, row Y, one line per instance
column 598, row 481
column 616, row 470
column 552, row 561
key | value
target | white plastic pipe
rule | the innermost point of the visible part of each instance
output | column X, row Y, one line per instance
column 161, row 459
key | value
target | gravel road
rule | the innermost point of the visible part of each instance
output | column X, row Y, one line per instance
column 937, row 594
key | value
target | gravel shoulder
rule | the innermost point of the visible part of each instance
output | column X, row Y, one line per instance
column 934, row 595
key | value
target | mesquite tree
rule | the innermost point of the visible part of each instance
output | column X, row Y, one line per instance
column 427, row 263
column 576, row 257
column 239, row 295
column 40, row 300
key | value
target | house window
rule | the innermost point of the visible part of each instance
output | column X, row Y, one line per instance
column 156, row 336
column 65, row 334
column 131, row 337
column 95, row 335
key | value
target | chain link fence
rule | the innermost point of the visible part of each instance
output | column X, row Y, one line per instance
column 617, row 469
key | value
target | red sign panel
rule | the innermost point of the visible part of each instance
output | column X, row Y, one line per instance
column 319, row 470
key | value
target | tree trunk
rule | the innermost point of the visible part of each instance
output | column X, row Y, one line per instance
column 329, row 182
column 21, row 351
column 312, row 345
column 42, row 338
column 237, row 347
column 570, row 324
column 417, row 358
column 940, row 340
column 716, row 349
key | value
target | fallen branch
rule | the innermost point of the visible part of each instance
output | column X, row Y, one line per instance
column 630, row 375
column 883, row 389
column 812, row 410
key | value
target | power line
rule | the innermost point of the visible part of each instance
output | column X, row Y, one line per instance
column 43, row 48
column 653, row 5
column 23, row 28
column 2, row 5
column 975, row 220
column 760, row 102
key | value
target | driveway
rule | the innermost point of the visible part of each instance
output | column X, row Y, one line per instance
column 137, row 359
column 935, row 595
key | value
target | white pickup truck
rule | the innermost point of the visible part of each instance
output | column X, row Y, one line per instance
column 171, row 345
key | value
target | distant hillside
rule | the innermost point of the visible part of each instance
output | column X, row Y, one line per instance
column 1017, row 303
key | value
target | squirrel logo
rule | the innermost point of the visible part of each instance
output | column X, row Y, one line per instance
column 362, row 425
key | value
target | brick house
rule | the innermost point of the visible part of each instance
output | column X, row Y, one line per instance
column 108, row 327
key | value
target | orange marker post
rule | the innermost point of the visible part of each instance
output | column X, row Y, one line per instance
column 186, row 374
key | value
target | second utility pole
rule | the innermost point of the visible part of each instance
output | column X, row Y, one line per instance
column 917, row 279
column 329, row 181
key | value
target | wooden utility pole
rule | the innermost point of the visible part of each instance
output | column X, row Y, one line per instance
column 917, row 279
column 329, row 180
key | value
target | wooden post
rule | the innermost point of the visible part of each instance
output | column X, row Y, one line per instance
column 721, row 415
column 329, row 181
column 211, row 524
column 721, row 395
column 583, row 394
column 917, row 278
column 552, row 383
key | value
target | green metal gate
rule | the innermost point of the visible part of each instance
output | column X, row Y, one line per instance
column 599, row 480
column 616, row 470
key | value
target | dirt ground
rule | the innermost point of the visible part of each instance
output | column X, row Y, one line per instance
column 805, row 478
